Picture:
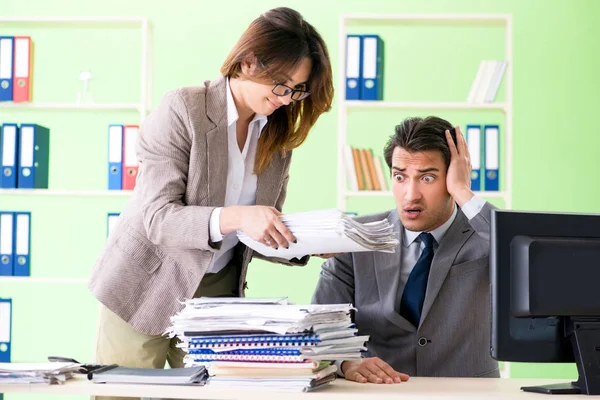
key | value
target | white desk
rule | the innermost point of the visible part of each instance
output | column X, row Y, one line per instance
column 415, row 388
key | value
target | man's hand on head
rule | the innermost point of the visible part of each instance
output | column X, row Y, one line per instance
column 373, row 370
column 458, row 178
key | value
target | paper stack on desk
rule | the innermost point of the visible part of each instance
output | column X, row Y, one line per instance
column 37, row 373
column 266, row 342
column 326, row 232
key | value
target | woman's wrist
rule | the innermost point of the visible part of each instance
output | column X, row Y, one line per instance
column 229, row 220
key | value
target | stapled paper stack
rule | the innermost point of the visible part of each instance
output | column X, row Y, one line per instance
column 37, row 373
column 266, row 342
column 328, row 231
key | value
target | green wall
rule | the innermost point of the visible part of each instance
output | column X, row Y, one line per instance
column 554, row 140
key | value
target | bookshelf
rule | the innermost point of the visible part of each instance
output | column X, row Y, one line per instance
column 141, row 106
column 347, row 106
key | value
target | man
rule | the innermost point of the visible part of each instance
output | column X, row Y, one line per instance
column 426, row 307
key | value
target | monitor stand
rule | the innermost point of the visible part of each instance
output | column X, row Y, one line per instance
column 584, row 334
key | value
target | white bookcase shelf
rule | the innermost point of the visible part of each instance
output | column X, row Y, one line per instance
column 388, row 193
column 70, row 193
column 432, row 18
column 74, row 106
column 29, row 279
column 407, row 105
column 347, row 106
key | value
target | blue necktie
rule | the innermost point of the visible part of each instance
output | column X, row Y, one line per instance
column 414, row 291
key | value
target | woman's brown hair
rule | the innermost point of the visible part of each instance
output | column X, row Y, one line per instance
column 281, row 39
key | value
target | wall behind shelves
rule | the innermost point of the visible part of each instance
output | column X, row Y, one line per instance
column 555, row 76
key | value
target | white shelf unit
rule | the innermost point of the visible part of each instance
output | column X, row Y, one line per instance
column 346, row 106
column 143, row 107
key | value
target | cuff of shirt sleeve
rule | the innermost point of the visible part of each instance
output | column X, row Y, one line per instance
column 473, row 207
column 338, row 364
column 215, row 225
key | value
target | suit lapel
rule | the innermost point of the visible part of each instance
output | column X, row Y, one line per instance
column 216, row 141
column 455, row 238
column 387, row 272
column 269, row 182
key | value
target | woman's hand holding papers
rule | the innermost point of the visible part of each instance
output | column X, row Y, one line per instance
column 261, row 223
column 373, row 370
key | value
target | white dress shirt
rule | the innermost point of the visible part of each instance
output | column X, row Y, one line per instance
column 241, row 181
column 412, row 248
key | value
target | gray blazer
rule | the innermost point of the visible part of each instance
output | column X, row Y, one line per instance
column 159, row 251
column 453, row 338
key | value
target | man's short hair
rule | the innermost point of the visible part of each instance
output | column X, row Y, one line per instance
column 420, row 134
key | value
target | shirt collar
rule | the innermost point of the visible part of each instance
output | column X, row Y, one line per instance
column 438, row 233
column 232, row 112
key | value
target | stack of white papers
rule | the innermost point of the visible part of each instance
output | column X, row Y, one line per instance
column 37, row 373
column 266, row 342
column 326, row 232
column 276, row 377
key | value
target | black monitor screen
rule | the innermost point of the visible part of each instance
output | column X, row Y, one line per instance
column 544, row 270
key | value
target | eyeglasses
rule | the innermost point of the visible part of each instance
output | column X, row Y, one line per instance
column 283, row 90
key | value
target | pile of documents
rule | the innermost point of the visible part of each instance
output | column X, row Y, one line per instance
column 326, row 232
column 172, row 376
column 266, row 342
column 37, row 373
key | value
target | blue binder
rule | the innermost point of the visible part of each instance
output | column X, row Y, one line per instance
column 372, row 67
column 272, row 340
column 115, row 157
column 5, row 329
column 258, row 351
column 22, row 244
column 7, row 229
column 353, row 67
column 475, row 147
column 492, row 157
column 34, row 149
column 111, row 222
column 7, row 46
column 9, row 146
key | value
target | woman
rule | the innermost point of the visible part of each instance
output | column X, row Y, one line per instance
column 213, row 159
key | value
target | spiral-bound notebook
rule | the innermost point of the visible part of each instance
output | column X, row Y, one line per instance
column 249, row 352
column 279, row 340
column 256, row 354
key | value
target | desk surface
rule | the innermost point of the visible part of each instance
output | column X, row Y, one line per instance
column 415, row 388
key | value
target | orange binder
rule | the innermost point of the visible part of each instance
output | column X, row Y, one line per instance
column 22, row 67
column 130, row 162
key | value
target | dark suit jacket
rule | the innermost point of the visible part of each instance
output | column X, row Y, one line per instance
column 453, row 338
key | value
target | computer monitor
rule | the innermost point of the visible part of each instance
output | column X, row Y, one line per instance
column 545, row 289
